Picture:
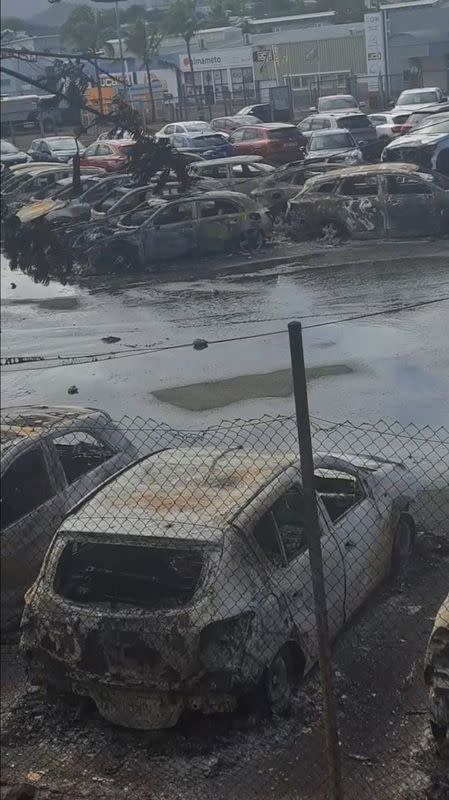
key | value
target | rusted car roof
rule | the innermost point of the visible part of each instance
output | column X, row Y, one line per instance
column 18, row 422
column 186, row 487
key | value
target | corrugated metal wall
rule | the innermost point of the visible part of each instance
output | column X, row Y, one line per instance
column 328, row 55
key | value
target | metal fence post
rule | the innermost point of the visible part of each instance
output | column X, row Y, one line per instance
column 315, row 555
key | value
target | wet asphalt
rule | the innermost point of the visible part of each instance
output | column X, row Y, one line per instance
column 390, row 366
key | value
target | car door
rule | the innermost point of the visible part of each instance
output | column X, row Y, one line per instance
column 89, row 156
column 45, row 152
column 411, row 206
column 358, row 526
column 361, row 206
column 171, row 232
column 277, row 527
column 236, row 140
column 219, row 224
column 254, row 142
column 31, row 510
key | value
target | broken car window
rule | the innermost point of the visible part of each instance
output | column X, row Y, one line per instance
column 215, row 208
column 181, row 212
column 79, row 453
column 281, row 531
column 338, row 490
column 327, row 188
column 359, row 187
column 25, row 486
column 402, row 184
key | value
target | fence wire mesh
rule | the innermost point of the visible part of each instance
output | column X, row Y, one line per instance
column 168, row 648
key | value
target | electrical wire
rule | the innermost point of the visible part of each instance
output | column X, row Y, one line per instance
column 79, row 359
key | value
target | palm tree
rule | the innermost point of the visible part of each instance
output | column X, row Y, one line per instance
column 145, row 45
column 87, row 32
column 183, row 21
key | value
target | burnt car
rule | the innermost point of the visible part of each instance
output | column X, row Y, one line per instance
column 427, row 146
column 198, row 224
column 371, row 201
column 239, row 173
column 51, row 458
column 276, row 189
column 184, row 583
column 436, row 673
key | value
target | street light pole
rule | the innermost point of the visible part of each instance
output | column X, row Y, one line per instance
column 120, row 47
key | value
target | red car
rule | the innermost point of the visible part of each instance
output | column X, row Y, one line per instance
column 274, row 141
column 110, row 154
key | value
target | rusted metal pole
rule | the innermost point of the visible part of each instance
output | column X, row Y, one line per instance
column 316, row 559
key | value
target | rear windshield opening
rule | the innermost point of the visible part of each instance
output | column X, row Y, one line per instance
column 126, row 575
column 354, row 123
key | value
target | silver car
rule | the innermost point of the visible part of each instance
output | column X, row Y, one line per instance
column 184, row 583
column 51, row 458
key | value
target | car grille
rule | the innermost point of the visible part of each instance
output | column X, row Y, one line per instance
column 127, row 575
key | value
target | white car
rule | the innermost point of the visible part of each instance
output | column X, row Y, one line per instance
column 388, row 125
column 412, row 99
column 191, row 126
column 185, row 581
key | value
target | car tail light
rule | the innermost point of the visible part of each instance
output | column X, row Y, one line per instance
column 396, row 129
column 404, row 128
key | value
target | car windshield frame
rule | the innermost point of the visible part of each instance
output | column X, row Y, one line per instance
column 417, row 97
column 335, row 104
column 327, row 139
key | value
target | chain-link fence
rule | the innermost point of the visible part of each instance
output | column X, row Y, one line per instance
column 168, row 645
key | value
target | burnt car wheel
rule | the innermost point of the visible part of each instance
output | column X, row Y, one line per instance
column 251, row 241
column 279, row 683
column 331, row 232
column 403, row 544
column 119, row 259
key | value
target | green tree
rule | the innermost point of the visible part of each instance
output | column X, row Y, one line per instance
column 182, row 20
column 144, row 42
column 87, row 31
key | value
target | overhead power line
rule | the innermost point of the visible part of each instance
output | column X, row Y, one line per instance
column 198, row 344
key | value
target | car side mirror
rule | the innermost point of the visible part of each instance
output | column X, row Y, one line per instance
column 313, row 109
column 362, row 104
column 443, row 100
column 391, row 104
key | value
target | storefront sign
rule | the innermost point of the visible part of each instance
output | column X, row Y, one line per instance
column 217, row 59
column 375, row 50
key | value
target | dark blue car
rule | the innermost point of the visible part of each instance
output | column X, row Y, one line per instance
column 209, row 145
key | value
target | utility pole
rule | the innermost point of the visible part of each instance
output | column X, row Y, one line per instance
column 120, row 47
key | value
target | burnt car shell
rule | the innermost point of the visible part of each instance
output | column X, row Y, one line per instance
column 146, row 601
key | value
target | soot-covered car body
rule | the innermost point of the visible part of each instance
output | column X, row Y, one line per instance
column 184, row 582
column 196, row 224
column 367, row 202
column 51, row 458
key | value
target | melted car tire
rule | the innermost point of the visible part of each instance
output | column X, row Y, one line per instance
column 331, row 232
column 403, row 544
column 251, row 241
column 279, row 683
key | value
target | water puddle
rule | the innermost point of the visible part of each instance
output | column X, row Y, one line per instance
column 216, row 394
